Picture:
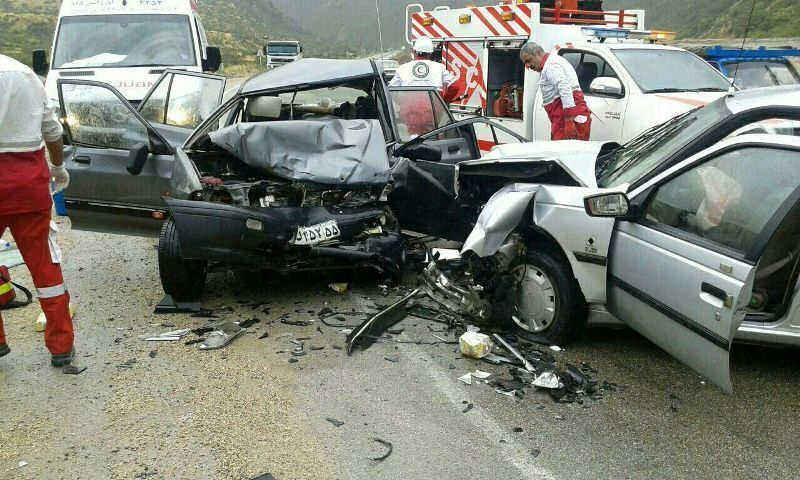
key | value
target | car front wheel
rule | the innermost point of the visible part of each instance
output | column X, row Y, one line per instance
column 182, row 279
column 541, row 300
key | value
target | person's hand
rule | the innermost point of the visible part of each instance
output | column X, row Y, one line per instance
column 570, row 130
column 60, row 178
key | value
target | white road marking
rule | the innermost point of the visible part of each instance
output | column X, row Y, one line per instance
column 516, row 454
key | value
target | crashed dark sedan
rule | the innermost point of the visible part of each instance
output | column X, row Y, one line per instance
column 294, row 172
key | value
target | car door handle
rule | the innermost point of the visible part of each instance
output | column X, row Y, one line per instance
column 718, row 293
column 83, row 159
column 453, row 149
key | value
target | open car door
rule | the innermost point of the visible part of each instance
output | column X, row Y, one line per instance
column 120, row 164
column 682, row 266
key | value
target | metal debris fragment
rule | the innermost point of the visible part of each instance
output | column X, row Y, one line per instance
column 336, row 423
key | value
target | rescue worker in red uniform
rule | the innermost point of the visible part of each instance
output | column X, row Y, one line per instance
column 415, row 110
column 28, row 124
column 570, row 117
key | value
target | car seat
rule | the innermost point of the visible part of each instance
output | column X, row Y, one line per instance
column 586, row 73
column 262, row 109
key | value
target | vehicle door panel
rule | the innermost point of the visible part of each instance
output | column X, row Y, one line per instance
column 608, row 113
column 681, row 272
column 102, row 127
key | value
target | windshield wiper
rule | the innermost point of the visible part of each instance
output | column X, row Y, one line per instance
column 683, row 90
column 667, row 90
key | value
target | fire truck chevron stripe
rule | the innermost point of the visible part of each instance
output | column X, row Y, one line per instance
column 495, row 13
column 482, row 17
column 520, row 24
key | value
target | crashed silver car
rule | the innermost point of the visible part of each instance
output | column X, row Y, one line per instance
column 689, row 233
column 299, row 170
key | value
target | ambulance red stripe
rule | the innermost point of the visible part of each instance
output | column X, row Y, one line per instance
column 526, row 28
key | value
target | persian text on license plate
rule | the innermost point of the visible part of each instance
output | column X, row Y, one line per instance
column 316, row 233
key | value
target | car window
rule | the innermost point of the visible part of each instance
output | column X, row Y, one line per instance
column 776, row 126
column 418, row 112
column 339, row 101
column 154, row 108
column 729, row 199
column 192, row 99
column 588, row 66
column 95, row 116
column 762, row 74
column 654, row 70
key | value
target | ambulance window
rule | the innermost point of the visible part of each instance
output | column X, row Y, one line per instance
column 588, row 66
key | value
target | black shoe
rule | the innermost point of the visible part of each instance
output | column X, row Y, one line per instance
column 4, row 350
column 62, row 359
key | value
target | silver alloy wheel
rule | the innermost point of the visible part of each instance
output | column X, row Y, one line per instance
column 534, row 299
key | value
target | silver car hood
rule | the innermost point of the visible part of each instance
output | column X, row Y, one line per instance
column 577, row 158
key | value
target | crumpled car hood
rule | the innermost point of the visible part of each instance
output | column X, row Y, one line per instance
column 577, row 158
column 331, row 151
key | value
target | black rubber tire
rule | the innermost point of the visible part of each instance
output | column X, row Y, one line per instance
column 182, row 279
column 569, row 320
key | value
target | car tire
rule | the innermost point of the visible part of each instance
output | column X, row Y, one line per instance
column 182, row 279
column 540, row 300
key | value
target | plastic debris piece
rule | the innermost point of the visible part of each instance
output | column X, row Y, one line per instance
column 513, row 351
column 249, row 323
column 389, row 447
column 547, row 380
column 535, row 452
column 194, row 341
column 296, row 323
column 495, row 359
column 555, row 348
column 475, row 345
column 264, row 335
column 22, row 463
column 222, row 335
column 517, row 429
column 73, row 369
column 171, row 336
column 153, row 353
column 202, row 331
column 468, row 408
column 481, row 374
column 364, row 335
column 392, row 358
column 292, row 360
column 338, row 287
column 336, row 423
column 466, row 378
column 508, row 393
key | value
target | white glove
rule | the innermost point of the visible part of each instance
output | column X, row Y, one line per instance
column 60, row 178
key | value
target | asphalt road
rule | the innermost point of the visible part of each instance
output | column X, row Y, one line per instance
column 167, row 410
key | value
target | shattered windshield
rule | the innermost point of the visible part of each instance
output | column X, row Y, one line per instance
column 636, row 158
column 654, row 70
column 98, row 41
column 762, row 74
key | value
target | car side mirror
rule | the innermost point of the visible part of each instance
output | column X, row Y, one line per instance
column 39, row 63
column 213, row 59
column 137, row 158
column 424, row 152
column 301, row 49
column 614, row 205
column 606, row 87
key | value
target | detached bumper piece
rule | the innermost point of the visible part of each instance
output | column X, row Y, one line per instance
column 262, row 237
column 366, row 333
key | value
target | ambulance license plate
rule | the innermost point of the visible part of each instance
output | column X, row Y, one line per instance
column 316, row 233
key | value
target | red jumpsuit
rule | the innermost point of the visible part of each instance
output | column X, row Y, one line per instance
column 570, row 117
column 27, row 119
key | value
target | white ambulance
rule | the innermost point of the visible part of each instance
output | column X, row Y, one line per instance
column 630, row 82
column 126, row 43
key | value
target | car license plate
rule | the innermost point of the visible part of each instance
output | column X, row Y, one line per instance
column 316, row 233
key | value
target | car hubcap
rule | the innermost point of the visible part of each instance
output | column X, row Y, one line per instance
column 535, row 299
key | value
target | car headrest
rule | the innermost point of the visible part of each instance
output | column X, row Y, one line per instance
column 265, row 107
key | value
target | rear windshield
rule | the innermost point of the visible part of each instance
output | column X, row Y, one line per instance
column 97, row 41
column 762, row 74
column 656, row 70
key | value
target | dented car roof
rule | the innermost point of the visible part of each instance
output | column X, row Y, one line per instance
column 305, row 72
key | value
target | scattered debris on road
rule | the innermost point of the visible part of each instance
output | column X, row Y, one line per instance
column 373, row 327
column 73, row 369
column 389, row 447
column 474, row 344
column 338, row 287
column 223, row 334
column 336, row 423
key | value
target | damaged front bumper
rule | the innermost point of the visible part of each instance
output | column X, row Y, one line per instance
column 263, row 237
column 464, row 300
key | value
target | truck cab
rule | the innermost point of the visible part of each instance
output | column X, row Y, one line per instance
column 281, row 52
column 127, row 45
column 754, row 68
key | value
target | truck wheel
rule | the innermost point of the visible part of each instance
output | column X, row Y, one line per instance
column 540, row 299
column 182, row 279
